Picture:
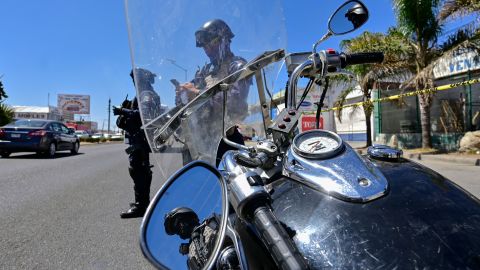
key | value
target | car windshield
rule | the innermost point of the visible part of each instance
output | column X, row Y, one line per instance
column 28, row 123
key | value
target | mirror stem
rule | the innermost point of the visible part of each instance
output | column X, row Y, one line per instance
column 325, row 37
column 251, row 150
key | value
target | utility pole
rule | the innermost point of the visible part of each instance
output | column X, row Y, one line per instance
column 109, row 106
column 173, row 62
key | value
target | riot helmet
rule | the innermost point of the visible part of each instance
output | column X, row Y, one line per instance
column 357, row 14
column 214, row 37
column 181, row 221
column 212, row 30
column 144, row 76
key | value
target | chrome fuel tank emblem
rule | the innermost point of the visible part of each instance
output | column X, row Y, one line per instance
column 347, row 176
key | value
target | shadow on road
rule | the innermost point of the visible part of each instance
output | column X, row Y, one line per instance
column 36, row 156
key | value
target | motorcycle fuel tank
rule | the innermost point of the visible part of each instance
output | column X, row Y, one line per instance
column 424, row 221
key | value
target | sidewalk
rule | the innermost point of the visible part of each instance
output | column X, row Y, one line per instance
column 418, row 154
column 466, row 159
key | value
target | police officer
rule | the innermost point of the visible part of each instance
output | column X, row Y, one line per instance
column 184, row 222
column 138, row 151
column 215, row 37
column 357, row 15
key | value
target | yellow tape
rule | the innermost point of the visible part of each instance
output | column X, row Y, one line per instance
column 409, row 94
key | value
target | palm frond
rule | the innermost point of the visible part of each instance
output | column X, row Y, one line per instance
column 6, row 114
column 341, row 99
column 425, row 77
column 417, row 19
column 455, row 9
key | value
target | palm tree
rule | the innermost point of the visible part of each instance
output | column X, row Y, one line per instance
column 417, row 21
column 6, row 113
column 421, row 23
column 397, row 53
column 3, row 95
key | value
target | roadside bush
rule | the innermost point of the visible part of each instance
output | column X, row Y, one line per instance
column 100, row 140
column 90, row 140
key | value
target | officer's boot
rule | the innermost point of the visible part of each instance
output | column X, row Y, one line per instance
column 141, row 179
column 142, row 187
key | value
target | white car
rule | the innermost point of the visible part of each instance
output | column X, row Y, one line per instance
column 117, row 136
column 98, row 136
column 82, row 134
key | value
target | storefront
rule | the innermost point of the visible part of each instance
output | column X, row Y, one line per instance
column 453, row 112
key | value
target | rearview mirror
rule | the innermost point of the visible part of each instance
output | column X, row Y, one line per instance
column 190, row 208
column 348, row 17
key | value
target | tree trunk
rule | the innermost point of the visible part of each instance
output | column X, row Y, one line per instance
column 368, row 114
column 425, row 105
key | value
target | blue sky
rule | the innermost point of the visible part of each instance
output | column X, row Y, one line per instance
column 81, row 46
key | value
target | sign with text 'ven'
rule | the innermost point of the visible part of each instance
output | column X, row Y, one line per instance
column 76, row 104
column 461, row 62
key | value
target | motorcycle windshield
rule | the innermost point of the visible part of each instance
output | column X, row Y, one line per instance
column 191, row 58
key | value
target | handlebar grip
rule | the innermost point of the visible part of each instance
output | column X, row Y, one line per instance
column 277, row 241
column 361, row 58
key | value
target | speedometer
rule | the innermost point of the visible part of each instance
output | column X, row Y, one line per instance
column 317, row 144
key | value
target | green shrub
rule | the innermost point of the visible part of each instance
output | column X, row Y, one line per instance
column 90, row 140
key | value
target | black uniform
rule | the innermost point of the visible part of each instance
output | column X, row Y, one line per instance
column 237, row 105
column 138, row 150
column 215, row 37
column 201, row 243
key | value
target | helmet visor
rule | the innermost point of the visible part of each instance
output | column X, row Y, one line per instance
column 204, row 38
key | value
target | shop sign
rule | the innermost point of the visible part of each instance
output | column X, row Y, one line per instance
column 459, row 63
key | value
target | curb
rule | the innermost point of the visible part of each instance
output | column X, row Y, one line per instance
column 447, row 158
column 99, row 143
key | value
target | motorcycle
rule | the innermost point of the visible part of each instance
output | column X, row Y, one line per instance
column 279, row 198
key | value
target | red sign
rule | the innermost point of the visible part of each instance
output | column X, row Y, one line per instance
column 308, row 122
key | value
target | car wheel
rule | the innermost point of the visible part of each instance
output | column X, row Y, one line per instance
column 75, row 147
column 5, row 154
column 51, row 150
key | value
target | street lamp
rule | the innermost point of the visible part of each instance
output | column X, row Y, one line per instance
column 173, row 62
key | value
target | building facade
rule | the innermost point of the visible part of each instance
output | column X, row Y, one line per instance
column 36, row 112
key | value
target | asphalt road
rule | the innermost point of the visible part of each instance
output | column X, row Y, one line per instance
column 63, row 213
column 466, row 176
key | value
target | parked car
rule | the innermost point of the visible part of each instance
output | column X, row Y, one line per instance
column 82, row 134
column 34, row 135
column 117, row 136
column 99, row 135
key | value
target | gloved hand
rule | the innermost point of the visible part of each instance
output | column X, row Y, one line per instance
column 188, row 89
column 117, row 111
column 183, row 249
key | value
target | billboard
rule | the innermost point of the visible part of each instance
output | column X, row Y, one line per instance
column 74, row 104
